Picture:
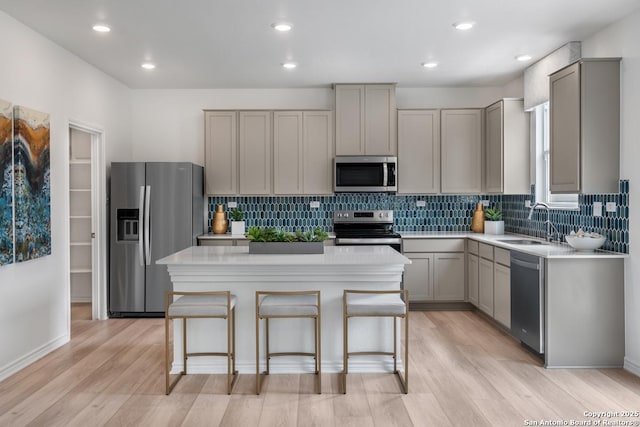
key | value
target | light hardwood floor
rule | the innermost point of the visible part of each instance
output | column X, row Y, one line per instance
column 463, row 372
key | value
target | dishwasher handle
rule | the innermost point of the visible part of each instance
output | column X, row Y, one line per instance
column 525, row 264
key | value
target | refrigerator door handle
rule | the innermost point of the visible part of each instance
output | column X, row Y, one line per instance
column 140, row 227
column 147, row 226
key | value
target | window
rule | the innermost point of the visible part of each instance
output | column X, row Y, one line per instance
column 543, row 163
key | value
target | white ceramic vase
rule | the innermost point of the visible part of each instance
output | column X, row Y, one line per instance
column 494, row 227
column 237, row 228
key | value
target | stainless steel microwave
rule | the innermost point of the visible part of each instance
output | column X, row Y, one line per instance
column 365, row 174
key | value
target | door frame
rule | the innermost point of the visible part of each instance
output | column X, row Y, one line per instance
column 98, row 219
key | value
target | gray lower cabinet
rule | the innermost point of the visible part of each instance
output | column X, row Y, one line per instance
column 473, row 278
column 449, row 277
column 494, row 282
column 418, row 277
column 502, row 294
column 584, row 116
column 485, row 286
column 584, row 313
column 461, row 133
column 437, row 272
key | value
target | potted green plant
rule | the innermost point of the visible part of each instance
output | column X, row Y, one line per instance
column 271, row 241
column 494, row 223
column 237, row 222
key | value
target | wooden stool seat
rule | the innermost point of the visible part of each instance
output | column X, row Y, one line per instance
column 295, row 304
column 201, row 305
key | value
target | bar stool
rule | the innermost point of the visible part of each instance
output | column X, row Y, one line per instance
column 201, row 305
column 369, row 303
column 282, row 304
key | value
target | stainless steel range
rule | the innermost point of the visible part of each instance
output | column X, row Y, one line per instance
column 366, row 228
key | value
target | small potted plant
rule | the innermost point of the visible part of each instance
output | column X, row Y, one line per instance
column 237, row 222
column 494, row 223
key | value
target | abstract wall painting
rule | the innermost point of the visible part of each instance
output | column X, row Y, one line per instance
column 32, row 190
column 6, row 183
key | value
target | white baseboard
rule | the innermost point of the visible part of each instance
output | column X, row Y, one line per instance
column 632, row 367
column 26, row 360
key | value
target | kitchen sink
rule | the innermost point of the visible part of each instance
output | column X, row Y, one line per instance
column 522, row 242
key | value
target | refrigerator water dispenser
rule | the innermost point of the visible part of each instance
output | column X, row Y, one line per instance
column 128, row 226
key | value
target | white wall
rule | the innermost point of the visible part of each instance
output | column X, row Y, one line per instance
column 168, row 125
column 621, row 40
column 36, row 73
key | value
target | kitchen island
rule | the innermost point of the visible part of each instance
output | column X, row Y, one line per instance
column 206, row 268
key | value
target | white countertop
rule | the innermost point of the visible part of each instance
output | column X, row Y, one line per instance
column 546, row 250
column 229, row 236
column 435, row 234
column 333, row 255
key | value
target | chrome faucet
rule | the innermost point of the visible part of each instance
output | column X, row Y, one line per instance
column 550, row 226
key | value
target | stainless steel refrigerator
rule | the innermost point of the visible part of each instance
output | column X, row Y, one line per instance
column 156, row 209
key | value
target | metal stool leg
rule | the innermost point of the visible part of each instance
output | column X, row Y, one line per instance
column 166, row 355
column 267, row 344
column 257, row 348
column 395, row 345
column 184, row 345
column 345, row 344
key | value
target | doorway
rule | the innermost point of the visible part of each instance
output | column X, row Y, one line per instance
column 87, row 224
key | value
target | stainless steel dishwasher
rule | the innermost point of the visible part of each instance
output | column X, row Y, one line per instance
column 527, row 300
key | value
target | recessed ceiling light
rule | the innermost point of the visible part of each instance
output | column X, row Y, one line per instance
column 429, row 64
column 523, row 58
column 282, row 26
column 463, row 26
column 101, row 28
column 289, row 65
column 148, row 66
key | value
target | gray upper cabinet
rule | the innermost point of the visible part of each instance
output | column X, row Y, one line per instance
column 302, row 152
column 461, row 151
column 287, row 152
column 366, row 119
column 221, row 148
column 585, row 127
column 418, row 151
column 317, row 152
column 507, row 148
column 255, row 152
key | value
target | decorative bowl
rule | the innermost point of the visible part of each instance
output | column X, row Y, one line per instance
column 586, row 243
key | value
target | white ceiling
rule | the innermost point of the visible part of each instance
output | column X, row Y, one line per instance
column 230, row 43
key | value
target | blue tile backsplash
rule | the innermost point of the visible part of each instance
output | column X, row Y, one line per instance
column 441, row 213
